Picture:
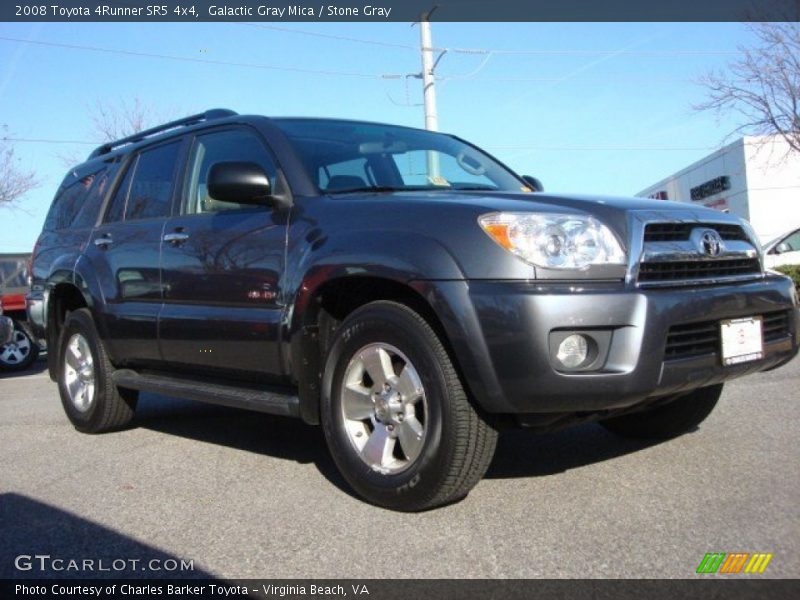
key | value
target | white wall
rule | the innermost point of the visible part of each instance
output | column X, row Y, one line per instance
column 773, row 181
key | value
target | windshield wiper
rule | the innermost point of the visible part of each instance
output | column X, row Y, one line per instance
column 369, row 188
column 474, row 188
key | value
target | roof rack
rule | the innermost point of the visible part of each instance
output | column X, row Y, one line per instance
column 209, row 115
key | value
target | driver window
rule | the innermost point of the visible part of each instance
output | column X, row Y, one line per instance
column 223, row 146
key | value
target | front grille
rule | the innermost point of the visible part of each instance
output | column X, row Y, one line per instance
column 689, row 270
column 679, row 232
column 702, row 339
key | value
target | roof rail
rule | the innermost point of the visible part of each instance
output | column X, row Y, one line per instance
column 209, row 115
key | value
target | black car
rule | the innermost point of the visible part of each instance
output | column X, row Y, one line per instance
column 400, row 287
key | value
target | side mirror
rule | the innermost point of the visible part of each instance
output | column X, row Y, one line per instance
column 533, row 183
column 781, row 248
column 239, row 182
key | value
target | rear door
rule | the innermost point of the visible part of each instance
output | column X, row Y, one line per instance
column 222, row 264
column 124, row 251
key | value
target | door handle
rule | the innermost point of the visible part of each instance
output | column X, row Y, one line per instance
column 176, row 237
column 103, row 241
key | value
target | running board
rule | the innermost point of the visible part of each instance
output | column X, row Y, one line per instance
column 274, row 403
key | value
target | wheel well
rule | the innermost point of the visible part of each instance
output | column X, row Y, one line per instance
column 331, row 304
column 63, row 299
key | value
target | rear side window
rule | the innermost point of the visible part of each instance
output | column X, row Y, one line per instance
column 146, row 189
column 77, row 201
column 98, row 182
column 151, row 187
column 116, row 208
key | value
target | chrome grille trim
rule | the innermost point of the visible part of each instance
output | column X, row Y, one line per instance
column 683, row 250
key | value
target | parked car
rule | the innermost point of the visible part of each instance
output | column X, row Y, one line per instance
column 783, row 250
column 400, row 287
column 22, row 350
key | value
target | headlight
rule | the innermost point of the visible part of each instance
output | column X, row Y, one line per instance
column 554, row 241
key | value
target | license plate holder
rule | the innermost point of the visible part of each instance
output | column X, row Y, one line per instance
column 741, row 340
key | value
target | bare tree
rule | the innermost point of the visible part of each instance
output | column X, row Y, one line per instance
column 15, row 181
column 763, row 85
column 114, row 120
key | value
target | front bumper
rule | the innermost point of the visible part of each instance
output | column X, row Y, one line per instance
column 499, row 332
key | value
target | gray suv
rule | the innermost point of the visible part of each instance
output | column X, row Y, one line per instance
column 402, row 288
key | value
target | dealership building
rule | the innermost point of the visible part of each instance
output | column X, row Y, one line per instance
column 756, row 178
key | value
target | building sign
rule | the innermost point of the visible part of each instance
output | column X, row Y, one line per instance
column 709, row 188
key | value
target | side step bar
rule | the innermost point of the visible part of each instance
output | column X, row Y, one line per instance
column 274, row 403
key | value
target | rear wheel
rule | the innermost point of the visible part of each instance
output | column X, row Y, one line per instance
column 90, row 398
column 668, row 420
column 397, row 419
column 20, row 352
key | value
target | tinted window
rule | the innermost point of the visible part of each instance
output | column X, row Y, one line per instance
column 460, row 171
column 117, row 207
column 151, row 187
column 371, row 154
column 99, row 182
column 76, row 196
column 348, row 174
column 233, row 145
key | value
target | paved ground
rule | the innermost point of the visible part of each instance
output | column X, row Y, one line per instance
column 248, row 495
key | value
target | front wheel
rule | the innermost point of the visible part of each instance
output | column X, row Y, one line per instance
column 668, row 420
column 90, row 398
column 395, row 414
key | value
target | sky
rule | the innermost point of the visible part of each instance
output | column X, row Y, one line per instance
column 601, row 108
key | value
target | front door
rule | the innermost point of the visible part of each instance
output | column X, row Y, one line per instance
column 124, row 252
column 221, row 265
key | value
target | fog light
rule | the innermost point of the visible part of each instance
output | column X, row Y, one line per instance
column 573, row 350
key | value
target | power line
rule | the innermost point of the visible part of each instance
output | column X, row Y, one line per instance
column 191, row 59
column 507, row 52
column 330, row 36
column 604, row 148
column 654, row 53
column 46, row 141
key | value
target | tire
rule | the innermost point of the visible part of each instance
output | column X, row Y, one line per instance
column 20, row 353
column 416, row 471
column 668, row 420
column 83, row 364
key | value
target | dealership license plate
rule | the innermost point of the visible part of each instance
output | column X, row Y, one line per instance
column 741, row 340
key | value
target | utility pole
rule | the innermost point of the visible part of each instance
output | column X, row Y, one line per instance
column 429, row 93
column 428, row 80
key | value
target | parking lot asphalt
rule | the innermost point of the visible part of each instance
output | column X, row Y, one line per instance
column 250, row 495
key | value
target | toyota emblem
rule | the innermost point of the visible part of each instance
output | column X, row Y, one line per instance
column 710, row 243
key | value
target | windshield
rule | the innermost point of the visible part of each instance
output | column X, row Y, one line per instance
column 345, row 156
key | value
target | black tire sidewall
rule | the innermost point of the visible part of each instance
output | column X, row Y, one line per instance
column 421, row 480
column 81, row 322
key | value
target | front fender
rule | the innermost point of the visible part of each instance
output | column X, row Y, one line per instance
column 397, row 256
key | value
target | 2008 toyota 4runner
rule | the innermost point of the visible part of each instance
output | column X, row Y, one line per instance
column 401, row 287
